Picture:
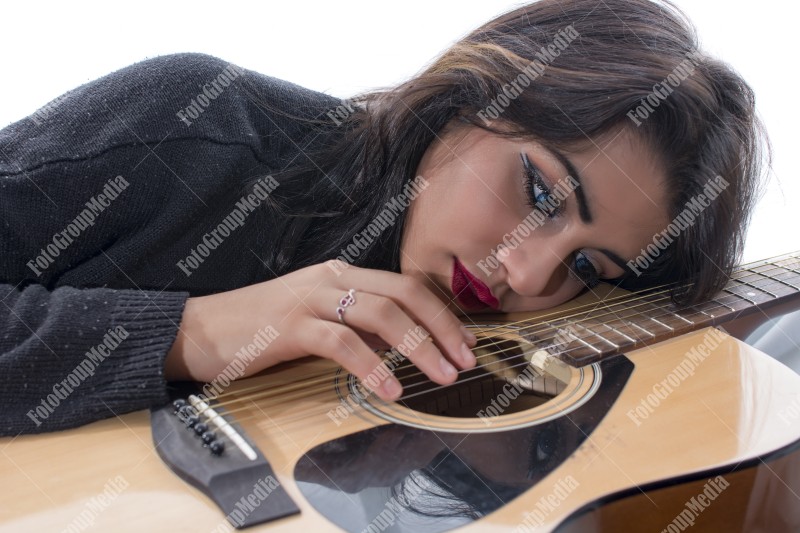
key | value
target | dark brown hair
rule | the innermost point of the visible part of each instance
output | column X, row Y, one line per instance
column 619, row 50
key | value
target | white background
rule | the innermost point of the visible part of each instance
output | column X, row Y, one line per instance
column 348, row 46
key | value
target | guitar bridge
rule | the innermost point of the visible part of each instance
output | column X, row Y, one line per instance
column 202, row 447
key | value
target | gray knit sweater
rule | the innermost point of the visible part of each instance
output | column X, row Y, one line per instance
column 106, row 201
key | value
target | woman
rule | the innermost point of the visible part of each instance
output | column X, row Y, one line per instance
column 159, row 220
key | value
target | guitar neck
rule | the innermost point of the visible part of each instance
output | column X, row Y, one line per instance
column 609, row 327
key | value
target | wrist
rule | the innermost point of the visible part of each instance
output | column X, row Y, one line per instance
column 181, row 360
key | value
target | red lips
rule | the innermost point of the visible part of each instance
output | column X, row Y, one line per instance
column 471, row 292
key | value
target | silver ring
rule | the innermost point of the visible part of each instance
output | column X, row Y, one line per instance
column 345, row 301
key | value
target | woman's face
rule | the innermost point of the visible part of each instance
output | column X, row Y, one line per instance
column 478, row 197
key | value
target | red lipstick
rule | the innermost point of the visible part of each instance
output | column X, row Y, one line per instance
column 469, row 291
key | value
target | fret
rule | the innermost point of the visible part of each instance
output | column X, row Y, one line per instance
column 723, row 305
column 793, row 261
column 662, row 316
column 772, row 269
column 589, row 338
column 621, row 334
column 671, row 317
column 631, row 312
column 780, row 266
column 643, row 314
column 576, row 348
column 623, row 340
column 586, row 344
column 555, row 332
column 754, row 284
column 536, row 332
column 783, row 279
column 650, row 316
column 742, row 297
column 748, row 274
column 777, row 288
column 615, row 345
column 749, row 281
column 646, row 332
column 760, row 269
column 784, row 267
column 706, row 308
column 715, row 310
column 699, row 317
column 699, row 310
column 782, row 288
column 683, row 318
column 631, row 331
column 662, row 324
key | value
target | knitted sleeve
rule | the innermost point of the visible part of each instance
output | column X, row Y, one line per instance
column 71, row 356
column 99, row 184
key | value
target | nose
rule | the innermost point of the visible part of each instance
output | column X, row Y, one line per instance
column 536, row 268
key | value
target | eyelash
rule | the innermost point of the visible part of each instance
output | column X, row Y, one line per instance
column 533, row 180
column 589, row 277
column 582, row 268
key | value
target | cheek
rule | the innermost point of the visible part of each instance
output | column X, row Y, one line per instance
column 489, row 209
column 462, row 212
column 469, row 204
column 568, row 290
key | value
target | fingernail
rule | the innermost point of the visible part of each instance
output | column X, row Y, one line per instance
column 467, row 356
column 448, row 369
column 468, row 335
column 391, row 388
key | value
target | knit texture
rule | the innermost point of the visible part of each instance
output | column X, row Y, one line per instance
column 103, row 192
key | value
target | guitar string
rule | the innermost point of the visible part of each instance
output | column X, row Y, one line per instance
column 525, row 363
column 324, row 376
column 325, row 382
column 304, row 383
column 247, row 403
column 277, row 391
column 354, row 405
column 594, row 305
column 669, row 313
column 303, row 393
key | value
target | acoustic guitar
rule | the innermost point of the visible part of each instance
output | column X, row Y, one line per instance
column 614, row 412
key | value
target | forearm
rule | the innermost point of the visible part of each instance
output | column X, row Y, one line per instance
column 72, row 356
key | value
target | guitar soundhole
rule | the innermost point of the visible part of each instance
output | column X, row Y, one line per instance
column 502, row 382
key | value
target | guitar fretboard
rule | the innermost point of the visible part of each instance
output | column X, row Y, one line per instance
column 631, row 322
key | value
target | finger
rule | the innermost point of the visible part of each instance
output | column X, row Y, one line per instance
column 382, row 316
column 343, row 345
column 420, row 304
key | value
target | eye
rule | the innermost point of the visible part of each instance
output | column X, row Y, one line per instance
column 543, row 450
column 537, row 192
column 583, row 269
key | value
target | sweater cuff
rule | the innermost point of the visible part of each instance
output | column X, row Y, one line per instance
column 149, row 321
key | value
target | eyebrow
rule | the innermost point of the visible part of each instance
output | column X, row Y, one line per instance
column 583, row 206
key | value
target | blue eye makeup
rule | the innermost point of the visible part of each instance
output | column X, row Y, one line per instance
column 583, row 269
column 537, row 192
column 539, row 196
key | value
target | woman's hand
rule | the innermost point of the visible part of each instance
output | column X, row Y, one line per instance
column 301, row 308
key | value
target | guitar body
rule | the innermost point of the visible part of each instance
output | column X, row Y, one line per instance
column 654, row 444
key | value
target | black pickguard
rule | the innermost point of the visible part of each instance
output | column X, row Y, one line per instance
column 400, row 479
